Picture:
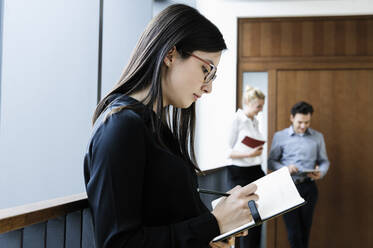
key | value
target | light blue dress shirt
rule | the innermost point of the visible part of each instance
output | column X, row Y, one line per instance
column 303, row 150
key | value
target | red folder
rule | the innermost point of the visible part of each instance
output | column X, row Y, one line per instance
column 251, row 142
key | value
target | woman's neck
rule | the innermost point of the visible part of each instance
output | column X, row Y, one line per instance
column 248, row 114
column 141, row 95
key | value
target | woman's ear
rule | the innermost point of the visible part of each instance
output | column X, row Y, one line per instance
column 170, row 56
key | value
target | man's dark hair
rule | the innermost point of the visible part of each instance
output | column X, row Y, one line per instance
column 301, row 108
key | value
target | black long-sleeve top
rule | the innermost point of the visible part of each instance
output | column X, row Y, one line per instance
column 140, row 194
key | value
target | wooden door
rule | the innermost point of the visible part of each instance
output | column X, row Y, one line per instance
column 327, row 61
column 343, row 103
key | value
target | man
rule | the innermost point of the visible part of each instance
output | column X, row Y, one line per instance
column 301, row 149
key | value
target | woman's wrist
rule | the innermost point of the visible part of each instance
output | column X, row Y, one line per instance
column 217, row 221
column 250, row 155
column 238, row 155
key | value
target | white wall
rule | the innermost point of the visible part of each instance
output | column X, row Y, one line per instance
column 124, row 22
column 49, row 89
column 48, row 92
column 159, row 5
column 259, row 80
column 215, row 111
column 1, row 43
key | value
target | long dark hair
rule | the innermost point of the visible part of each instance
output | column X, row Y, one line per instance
column 177, row 26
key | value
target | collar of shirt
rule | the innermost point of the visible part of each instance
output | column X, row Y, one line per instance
column 244, row 117
column 291, row 131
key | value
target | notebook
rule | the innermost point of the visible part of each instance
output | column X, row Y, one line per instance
column 277, row 195
column 251, row 142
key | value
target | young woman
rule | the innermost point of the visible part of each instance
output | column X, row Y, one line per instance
column 140, row 169
column 245, row 163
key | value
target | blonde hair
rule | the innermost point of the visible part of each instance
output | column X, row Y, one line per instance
column 251, row 94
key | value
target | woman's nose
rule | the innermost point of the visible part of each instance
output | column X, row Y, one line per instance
column 207, row 88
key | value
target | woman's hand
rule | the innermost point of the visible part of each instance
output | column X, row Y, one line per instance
column 233, row 211
column 238, row 154
column 256, row 152
column 219, row 245
column 229, row 242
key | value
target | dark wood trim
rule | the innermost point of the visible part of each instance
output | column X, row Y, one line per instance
column 25, row 215
column 309, row 59
column 272, row 124
column 272, row 106
column 239, row 88
column 305, row 18
column 256, row 66
column 239, row 73
column 99, row 64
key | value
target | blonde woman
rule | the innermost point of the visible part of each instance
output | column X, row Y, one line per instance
column 244, row 163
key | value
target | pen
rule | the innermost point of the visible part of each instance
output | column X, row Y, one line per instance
column 212, row 192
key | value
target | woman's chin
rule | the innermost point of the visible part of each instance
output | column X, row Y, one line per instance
column 183, row 105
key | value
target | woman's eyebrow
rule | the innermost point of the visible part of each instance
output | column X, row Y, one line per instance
column 210, row 61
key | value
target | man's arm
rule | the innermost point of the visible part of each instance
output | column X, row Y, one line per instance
column 275, row 154
column 322, row 157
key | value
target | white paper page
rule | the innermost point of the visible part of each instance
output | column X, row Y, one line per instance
column 277, row 193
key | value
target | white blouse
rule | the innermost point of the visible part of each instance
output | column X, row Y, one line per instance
column 243, row 126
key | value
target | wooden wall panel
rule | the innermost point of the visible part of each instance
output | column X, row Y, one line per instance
column 318, row 38
column 253, row 38
column 361, row 31
column 307, row 32
column 286, row 42
column 56, row 232
column 342, row 100
column 88, row 239
column 266, row 39
column 34, row 236
column 351, row 38
column 11, row 239
column 329, row 38
column 292, row 37
column 73, row 230
column 369, row 39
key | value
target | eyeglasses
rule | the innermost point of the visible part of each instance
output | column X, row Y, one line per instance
column 211, row 74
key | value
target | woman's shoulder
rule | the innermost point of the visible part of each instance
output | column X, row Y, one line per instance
column 241, row 117
column 238, row 115
column 124, row 114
